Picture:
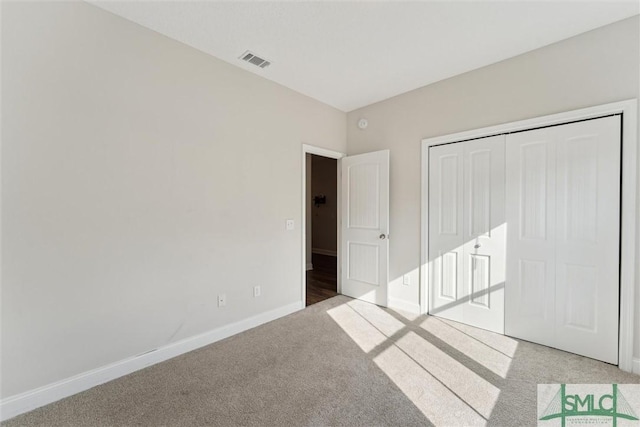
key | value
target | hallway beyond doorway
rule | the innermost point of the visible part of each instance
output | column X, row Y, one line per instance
column 322, row 280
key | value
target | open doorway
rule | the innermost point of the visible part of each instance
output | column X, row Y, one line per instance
column 321, row 278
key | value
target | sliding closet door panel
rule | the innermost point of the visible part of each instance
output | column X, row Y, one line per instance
column 588, row 224
column 446, row 293
column 530, row 214
column 484, row 232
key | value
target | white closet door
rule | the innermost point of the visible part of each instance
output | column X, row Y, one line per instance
column 484, row 232
column 446, row 293
column 467, row 232
column 563, row 199
column 531, row 211
column 588, row 238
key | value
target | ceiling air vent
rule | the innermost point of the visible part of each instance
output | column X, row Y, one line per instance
column 255, row 60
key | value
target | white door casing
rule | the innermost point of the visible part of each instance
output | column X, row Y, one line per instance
column 319, row 151
column 365, row 226
column 563, row 210
column 467, row 232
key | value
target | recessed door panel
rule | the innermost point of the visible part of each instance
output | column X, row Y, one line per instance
column 448, row 194
column 449, row 276
column 364, row 199
column 480, row 192
column 532, row 300
column 480, row 280
column 363, row 263
column 580, row 157
column 534, row 175
column 580, row 304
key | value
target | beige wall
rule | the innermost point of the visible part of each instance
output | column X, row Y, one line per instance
column 140, row 179
column 325, row 223
column 594, row 68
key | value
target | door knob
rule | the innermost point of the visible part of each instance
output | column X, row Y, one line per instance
column 383, row 236
column 477, row 246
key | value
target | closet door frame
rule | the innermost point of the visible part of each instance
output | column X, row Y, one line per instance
column 629, row 111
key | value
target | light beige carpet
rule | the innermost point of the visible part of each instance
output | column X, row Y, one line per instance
column 339, row 362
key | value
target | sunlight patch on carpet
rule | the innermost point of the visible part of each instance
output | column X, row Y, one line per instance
column 442, row 388
column 380, row 319
column 497, row 362
column 477, row 392
column 434, row 400
column 502, row 343
column 361, row 332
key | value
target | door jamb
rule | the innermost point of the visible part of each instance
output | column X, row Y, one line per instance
column 629, row 110
column 319, row 151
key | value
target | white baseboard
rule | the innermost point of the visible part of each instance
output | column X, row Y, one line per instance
column 404, row 305
column 323, row 252
column 636, row 365
column 32, row 399
column 309, row 266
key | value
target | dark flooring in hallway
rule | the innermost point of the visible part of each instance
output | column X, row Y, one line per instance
column 322, row 281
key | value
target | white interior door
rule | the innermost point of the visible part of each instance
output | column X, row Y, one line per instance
column 563, row 201
column 467, row 232
column 365, row 226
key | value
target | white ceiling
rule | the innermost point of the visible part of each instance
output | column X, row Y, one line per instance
column 349, row 54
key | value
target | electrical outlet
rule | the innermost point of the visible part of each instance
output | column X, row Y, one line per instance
column 406, row 280
column 222, row 300
column 290, row 224
column 256, row 291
